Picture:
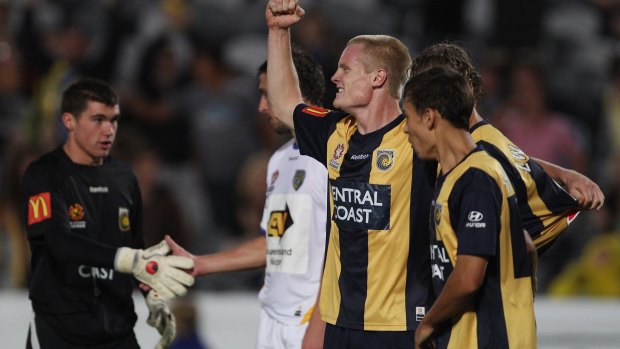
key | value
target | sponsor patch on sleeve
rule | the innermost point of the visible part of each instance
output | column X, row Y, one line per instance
column 316, row 111
column 39, row 208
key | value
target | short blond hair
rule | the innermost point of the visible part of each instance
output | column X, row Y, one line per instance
column 389, row 53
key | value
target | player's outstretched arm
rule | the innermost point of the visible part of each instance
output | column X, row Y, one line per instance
column 282, row 81
column 588, row 194
column 249, row 255
column 153, row 267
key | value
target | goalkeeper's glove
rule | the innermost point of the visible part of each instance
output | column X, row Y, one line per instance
column 152, row 267
column 161, row 318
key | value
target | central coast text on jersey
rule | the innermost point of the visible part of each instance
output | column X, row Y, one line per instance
column 361, row 205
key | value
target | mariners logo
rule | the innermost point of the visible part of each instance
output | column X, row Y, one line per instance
column 338, row 152
column 76, row 212
column 437, row 214
column 123, row 219
column 298, row 178
column 385, row 160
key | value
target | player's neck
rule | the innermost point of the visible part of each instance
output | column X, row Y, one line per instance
column 453, row 147
column 474, row 118
column 79, row 156
column 376, row 115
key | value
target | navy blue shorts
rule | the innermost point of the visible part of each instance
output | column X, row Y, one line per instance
column 337, row 337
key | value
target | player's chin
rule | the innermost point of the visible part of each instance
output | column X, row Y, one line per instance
column 103, row 148
column 337, row 102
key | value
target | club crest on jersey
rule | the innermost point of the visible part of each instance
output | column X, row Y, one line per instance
column 385, row 160
column 124, row 223
column 39, row 208
column 338, row 152
column 298, row 178
column 437, row 214
column 76, row 217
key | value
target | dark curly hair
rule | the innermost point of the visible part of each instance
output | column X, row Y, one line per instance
column 449, row 55
column 310, row 74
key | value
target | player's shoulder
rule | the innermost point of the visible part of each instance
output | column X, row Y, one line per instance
column 47, row 163
column 118, row 167
column 485, row 131
column 478, row 166
column 320, row 112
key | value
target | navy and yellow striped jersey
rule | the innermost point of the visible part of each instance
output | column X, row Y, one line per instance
column 377, row 274
column 545, row 207
column 475, row 213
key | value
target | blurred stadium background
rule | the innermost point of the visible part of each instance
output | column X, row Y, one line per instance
column 186, row 73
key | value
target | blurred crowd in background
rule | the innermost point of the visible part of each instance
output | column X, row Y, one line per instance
column 186, row 74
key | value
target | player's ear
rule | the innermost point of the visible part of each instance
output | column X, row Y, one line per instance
column 379, row 78
column 68, row 120
column 429, row 118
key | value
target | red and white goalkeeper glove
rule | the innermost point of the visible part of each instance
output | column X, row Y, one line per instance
column 155, row 268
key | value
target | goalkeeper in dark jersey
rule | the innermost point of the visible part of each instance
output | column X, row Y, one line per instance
column 83, row 214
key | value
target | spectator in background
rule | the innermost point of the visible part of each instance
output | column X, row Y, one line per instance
column 220, row 113
column 539, row 131
column 13, row 99
column 611, row 118
column 545, row 134
column 60, row 43
column 152, row 103
column 162, row 212
column 493, row 71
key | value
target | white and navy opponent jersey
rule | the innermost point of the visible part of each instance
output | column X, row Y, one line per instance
column 294, row 223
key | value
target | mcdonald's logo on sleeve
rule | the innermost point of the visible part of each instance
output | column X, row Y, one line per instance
column 39, row 208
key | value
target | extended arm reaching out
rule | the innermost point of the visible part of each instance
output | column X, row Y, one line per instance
column 248, row 255
column 588, row 194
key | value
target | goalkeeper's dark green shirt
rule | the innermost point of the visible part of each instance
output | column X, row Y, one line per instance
column 76, row 217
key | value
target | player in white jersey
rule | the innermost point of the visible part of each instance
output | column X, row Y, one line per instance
column 293, row 224
column 293, row 221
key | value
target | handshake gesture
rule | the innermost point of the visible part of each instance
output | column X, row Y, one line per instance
column 166, row 275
